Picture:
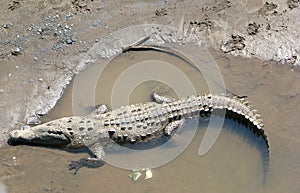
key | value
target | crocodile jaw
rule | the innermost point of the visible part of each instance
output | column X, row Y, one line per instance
column 39, row 136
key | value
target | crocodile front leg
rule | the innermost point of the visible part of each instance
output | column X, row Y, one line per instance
column 100, row 109
column 91, row 162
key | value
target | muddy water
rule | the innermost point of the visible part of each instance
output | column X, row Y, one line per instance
column 234, row 164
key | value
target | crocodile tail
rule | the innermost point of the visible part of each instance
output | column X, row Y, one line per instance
column 242, row 111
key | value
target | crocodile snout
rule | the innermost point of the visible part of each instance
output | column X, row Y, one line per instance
column 14, row 134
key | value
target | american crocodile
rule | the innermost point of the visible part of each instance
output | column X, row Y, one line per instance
column 133, row 123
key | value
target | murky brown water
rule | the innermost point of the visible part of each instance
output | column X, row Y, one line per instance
column 234, row 164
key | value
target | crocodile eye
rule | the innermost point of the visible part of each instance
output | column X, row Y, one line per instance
column 55, row 132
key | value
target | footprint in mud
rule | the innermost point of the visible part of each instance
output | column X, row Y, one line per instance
column 253, row 28
column 235, row 43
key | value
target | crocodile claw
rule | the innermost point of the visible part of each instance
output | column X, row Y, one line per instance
column 75, row 166
column 85, row 162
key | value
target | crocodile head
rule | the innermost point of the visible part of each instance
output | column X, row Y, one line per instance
column 40, row 135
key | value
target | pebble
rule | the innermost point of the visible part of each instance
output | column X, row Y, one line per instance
column 16, row 51
column 1, row 90
column 35, row 58
column 14, row 158
column 41, row 79
column 68, row 41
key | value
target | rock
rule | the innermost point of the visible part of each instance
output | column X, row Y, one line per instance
column 5, row 26
column 16, row 51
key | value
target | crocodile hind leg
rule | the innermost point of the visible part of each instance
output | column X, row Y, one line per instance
column 161, row 99
column 172, row 127
column 91, row 162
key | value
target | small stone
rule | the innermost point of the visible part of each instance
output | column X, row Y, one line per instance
column 1, row 90
column 68, row 41
column 17, row 67
column 14, row 160
column 31, row 80
column 16, row 51
column 5, row 26
column 99, row 8
column 35, row 58
column 41, row 79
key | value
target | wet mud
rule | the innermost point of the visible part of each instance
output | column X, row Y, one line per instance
column 44, row 44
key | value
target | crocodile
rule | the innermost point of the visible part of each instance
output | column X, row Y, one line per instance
column 133, row 123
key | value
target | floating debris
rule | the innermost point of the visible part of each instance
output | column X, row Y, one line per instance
column 148, row 174
column 134, row 175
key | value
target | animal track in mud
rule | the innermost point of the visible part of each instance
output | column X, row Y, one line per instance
column 161, row 12
column 253, row 28
column 235, row 43
column 267, row 8
column 293, row 3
